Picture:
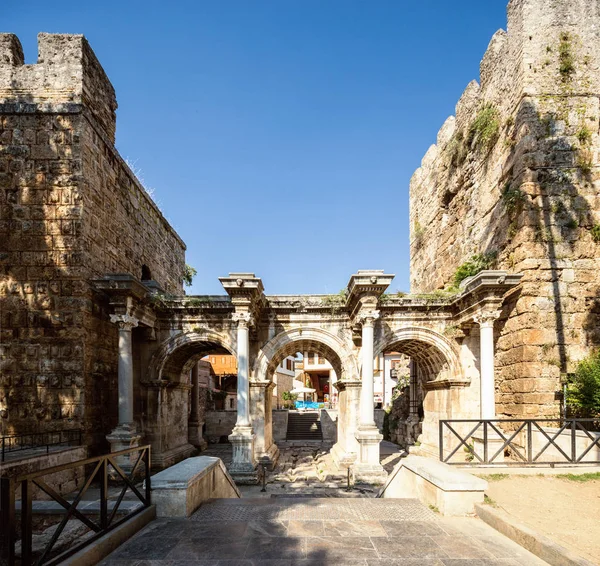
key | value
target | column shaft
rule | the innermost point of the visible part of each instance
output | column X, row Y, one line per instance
column 125, row 376
column 243, row 386
column 367, row 407
column 486, row 365
column 195, row 391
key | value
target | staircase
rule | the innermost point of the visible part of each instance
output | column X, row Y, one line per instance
column 304, row 426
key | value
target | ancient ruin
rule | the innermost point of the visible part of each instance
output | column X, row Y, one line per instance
column 96, row 331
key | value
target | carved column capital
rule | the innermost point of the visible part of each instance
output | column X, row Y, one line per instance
column 124, row 321
column 243, row 319
column 486, row 319
column 368, row 318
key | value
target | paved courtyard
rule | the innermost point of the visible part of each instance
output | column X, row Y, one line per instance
column 281, row 531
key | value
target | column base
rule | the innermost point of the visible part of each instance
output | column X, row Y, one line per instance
column 368, row 468
column 195, row 436
column 124, row 437
column 270, row 458
column 341, row 457
column 243, row 465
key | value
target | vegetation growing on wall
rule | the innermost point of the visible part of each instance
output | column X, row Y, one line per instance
column 188, row 275
column 485, row 129
column 566, row 57
column 473, row 266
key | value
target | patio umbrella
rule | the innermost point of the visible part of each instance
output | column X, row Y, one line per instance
column 304, row 391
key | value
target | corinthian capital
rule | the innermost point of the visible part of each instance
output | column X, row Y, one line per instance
column 124, row 321
column 368, row 318
column 486, row 318
column 244, row 319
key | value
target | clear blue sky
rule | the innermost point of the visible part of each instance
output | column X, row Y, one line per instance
column 279, row 136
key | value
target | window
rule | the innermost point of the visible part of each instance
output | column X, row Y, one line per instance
column 231, row 402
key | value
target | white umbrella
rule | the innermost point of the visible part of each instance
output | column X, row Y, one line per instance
column 304, row 391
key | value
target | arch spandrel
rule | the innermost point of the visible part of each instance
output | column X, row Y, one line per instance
column 339, row 355
column 177, row 354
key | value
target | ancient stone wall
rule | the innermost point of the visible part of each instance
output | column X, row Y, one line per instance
column 71, row 211
column 513, row 177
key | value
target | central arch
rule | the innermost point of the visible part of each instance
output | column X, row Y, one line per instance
column 316, row 339
column 343, row 361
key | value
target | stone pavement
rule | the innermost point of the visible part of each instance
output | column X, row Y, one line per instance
column 319, row 531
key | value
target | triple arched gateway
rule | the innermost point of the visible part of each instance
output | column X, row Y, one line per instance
column 161, row 338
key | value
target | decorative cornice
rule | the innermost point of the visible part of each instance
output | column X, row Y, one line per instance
column 124, row 321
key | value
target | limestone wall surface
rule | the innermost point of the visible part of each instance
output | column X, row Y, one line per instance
column 71, row 210
column 514, row 176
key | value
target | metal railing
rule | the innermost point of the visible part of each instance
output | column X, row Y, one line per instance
column 487, row 440
column 18, row 442
column 104, row 522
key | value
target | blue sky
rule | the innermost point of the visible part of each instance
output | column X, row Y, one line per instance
column 279, row 136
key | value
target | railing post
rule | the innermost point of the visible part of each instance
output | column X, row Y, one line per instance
column 573, row 441
column 147, row 482
column 485, row 442
column 441, row 440
column 26, row 527
column 7, row 521
column 529, row 442
column 3, row 447
column 103, row 471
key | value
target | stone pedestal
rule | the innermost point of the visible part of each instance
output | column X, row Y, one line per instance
column 125, row 437
column 243, row 464
column 261, row 404
column 345, row 450
column 195, row 435
column 367, row 467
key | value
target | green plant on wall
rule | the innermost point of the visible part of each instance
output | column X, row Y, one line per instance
column 595, row 232
column 485, row 129
column 566, row 57
column 188, row 275
column 474, row 265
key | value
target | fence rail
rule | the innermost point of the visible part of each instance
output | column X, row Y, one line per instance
column 103, row 522
column 18, row 442
column 529, row 441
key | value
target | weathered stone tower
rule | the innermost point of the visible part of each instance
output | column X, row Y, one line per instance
column 514, row 176
column 71, row 211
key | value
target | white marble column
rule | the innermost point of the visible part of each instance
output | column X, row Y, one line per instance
column 368, row 467
column 124, row 435
column 486, row 363
column 243, row 463
column 413, row 410
column 367, row 405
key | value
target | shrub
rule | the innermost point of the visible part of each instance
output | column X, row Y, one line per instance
column 584, row 390
column 584, row 135
column 188, row 275
column 473, row 266
column 513, row 199
column 485, row 128
column 595, row 231
column 565, row 57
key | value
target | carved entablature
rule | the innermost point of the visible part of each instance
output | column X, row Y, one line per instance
column 127, row 296
column 364, row 290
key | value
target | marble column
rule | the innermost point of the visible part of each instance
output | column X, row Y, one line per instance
column 125, row 434
column 367, row 467
column 486, row 363
column 243, row 464
column 194, row 425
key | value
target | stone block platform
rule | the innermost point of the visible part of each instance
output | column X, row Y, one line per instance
column 311, row 532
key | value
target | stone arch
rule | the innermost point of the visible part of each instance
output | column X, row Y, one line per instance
column 301, row 339
column 436, row 355
column 176, row 356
